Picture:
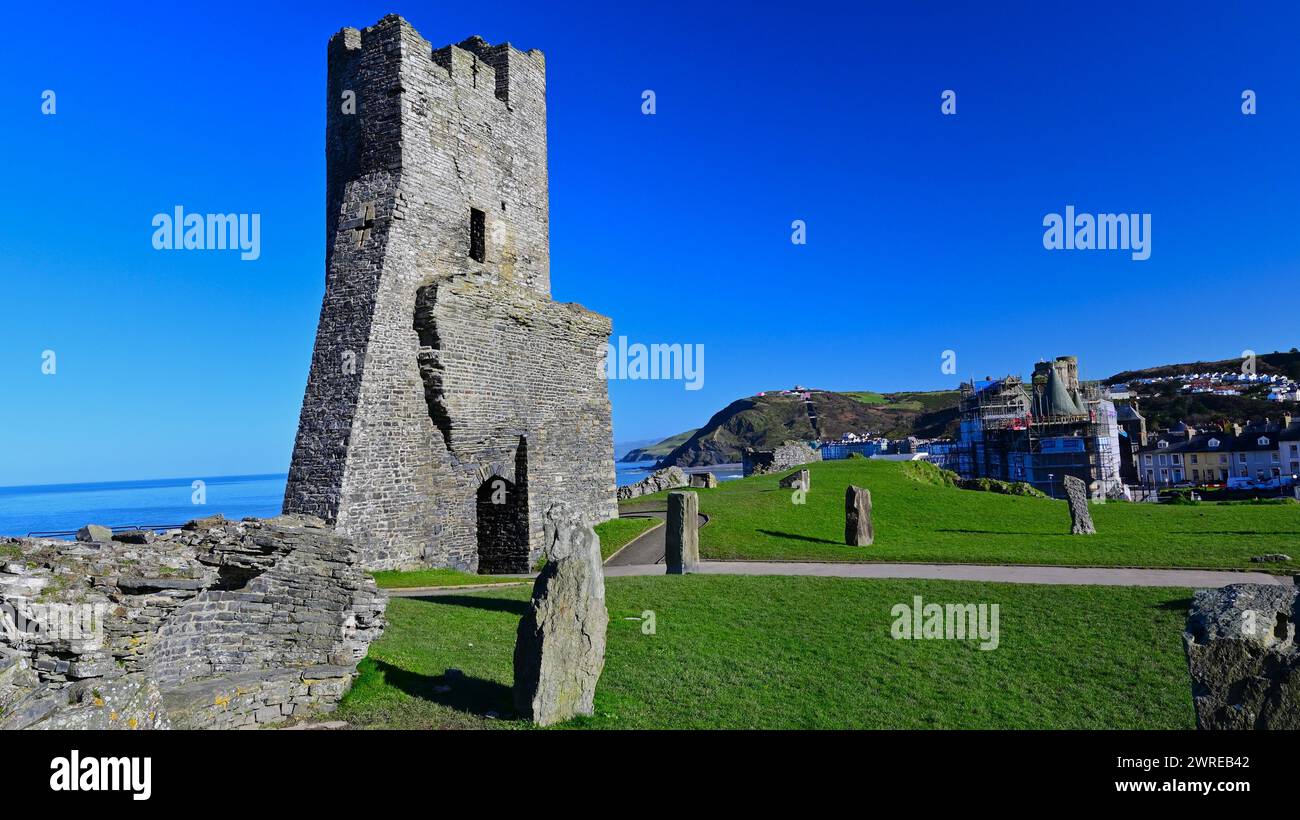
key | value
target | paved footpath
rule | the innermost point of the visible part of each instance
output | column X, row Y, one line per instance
column 1083, row 576
column 644, row 555
column 1094, row 576
column 649, row 546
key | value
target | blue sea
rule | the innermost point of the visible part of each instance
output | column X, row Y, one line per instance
column 62, row 508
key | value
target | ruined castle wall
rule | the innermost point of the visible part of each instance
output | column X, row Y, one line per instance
column 438, row 134
column 515, row 365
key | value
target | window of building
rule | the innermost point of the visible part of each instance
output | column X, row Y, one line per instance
column 477, row 235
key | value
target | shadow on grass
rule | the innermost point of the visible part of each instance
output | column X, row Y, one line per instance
column 1176, row 605
column 464, row 693
column 490, row 604
column 794, row 537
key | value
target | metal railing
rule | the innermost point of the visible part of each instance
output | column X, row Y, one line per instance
column 118, row 528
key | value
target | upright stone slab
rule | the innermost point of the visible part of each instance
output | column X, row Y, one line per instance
column 1076, row 493
column 1242, row 656
column 560, row 645
column 798, row 480
column 858, row 531
column 705, row 481
column 682, row 542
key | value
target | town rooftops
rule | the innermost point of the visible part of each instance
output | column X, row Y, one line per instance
column 1219, row 442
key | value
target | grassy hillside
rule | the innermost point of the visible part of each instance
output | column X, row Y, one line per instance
column 659, row 450
column 766, row 421
column 784, row 653
column 752, row 519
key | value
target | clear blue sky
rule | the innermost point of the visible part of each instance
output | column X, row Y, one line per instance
column 924, row 231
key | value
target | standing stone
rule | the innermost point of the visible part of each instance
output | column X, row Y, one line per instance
column 560, row 645
column 858, row 531
column 1242, row 656
column 682, row 545
column 1076, row 492
column 798, row 480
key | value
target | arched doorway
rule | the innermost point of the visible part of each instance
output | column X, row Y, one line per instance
column 502, row 527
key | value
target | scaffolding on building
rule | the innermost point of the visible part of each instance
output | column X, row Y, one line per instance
column 1005, row 435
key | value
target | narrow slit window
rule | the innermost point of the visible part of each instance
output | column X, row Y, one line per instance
column 477, row 235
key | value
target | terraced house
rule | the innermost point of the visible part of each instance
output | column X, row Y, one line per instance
column 1259, row 452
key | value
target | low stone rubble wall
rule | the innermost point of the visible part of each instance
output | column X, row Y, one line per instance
column 790, row 454
column 669, row 478
column 220, row 624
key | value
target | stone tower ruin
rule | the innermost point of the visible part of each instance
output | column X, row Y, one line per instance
column 450, row 401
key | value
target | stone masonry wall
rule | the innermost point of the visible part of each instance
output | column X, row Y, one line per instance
column 431, row 366
column 220, row 625
column 787, row 455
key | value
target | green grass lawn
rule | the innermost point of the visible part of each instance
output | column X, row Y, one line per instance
column 787, row 652
column 407, row 579
column 752, row 519
column 613, row 536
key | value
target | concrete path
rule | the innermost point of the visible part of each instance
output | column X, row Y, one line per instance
column 1083, row 576
column 1095, row 576
column 648, row 547
column 644, row 555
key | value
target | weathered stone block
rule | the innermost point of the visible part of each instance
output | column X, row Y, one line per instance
column 134, row 537
column 94, row 532
column 682, row 533
column 560, row 644
column 666, row 479
column 858, row 530
column 798, row 480
column 1241, row 652
column 704, row 481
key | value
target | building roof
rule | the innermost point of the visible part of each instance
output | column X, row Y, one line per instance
column 1252, row 441
column 1125, row 412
